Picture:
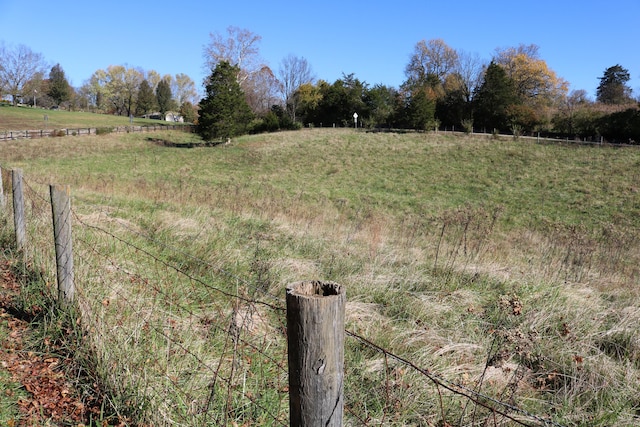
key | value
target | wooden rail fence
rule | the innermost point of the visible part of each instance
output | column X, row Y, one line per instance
column 9, row 135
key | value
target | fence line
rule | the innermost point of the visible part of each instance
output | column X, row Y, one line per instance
column 199, row 344
column 8, row 135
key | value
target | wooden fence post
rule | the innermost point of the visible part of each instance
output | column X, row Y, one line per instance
column 3, row 200
column 18, row 208
column 61, row 209
column 315, row 329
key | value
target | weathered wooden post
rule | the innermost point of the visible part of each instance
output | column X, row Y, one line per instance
column 61, row 209
column 315, row 329
column 3, row 200
column 18, row 208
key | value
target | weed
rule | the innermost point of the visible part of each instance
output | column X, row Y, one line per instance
column 508, row 267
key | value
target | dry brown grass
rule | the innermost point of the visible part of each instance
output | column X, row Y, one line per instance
column 526, row 292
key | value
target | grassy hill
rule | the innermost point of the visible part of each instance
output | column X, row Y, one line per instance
column 27, row 118
column 507, row 266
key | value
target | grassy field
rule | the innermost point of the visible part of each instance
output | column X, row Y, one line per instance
column 27, row 118
column 506, row 265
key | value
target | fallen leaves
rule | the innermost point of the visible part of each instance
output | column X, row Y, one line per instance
column 51, row 398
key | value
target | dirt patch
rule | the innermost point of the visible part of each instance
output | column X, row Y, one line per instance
column 51, row 398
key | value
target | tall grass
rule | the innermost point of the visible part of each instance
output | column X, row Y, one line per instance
column 507, row 266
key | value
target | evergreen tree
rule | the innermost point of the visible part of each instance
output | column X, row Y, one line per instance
column 493, row 99
column 453, row 108
column 146, row 98
column 59, row 88
column 164, row 96
column 421, row 108
column 419, row 102
column 224, row 112
column 338, row 102
column 613, row 88
column 380, row 101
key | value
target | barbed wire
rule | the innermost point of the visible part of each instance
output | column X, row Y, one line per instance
column 456, row 388
column 177, row 269
column 277, row 300
column 233, row 340
column 160, row 291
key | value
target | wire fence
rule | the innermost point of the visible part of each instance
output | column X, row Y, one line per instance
column 183, row 341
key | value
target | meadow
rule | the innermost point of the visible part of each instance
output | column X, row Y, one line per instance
column 27, row 118
column 508, row 266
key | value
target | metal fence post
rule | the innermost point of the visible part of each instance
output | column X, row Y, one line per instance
column 315, row 330
column 18, row 208
column 61, row 210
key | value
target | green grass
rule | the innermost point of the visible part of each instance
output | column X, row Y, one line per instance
column 454, row 250
column 27, row 118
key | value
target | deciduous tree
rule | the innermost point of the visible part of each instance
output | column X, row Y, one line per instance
column 115, row 89
column 95, row 90
column 534, row 82
column 307, row 99
column 188, row 112
column 455, row 91
column 565, row 120
column 430, row 58
column 469, row 68
column 35, row 92
column 153, row 77
column 261, row 91
column 293, row 73
column 19, row 66
column 239, row 48
column 183, row 89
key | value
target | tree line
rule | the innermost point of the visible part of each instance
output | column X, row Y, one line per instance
column 513, row 92
column 26, row 78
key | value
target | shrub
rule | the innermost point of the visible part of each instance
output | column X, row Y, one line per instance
column 516, row 129
column 103, row 131
column 623, row 126
column 467, row 126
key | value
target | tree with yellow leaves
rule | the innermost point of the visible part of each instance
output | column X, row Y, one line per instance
column 430, row 59
column 539, row 90
column 535, row 83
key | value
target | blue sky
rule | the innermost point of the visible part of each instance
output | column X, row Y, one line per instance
column 372, row 39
